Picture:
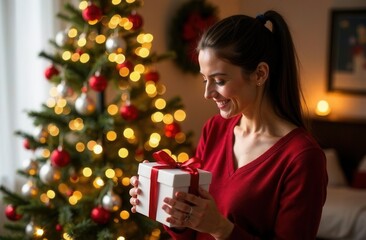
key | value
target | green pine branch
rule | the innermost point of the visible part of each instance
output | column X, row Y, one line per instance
column 12, row 198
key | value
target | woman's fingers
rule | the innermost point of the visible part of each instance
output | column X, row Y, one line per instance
column 134, row 181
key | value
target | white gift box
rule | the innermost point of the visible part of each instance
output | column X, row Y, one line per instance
column 170, row 181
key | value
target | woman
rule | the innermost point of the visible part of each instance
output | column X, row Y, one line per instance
column 269, row 175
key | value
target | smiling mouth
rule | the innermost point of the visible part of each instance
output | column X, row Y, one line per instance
column 222, row 104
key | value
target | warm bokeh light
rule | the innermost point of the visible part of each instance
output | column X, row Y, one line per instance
column 83, row 5
column 124, row 214
column 109, row 173
column 100, row 39
column 112, row 109
column 322, row 108
column 87, row 172
column 51, row 194
column 160, row 103
column 72, row 33
column 111, row 136
column 135, row 76
column 90, row 145
column 157, row 117
column 97, row 149
column 98, row 182
column 128, row 133
column 180, row 115
column 182, row 157
column 140, row 68
column 168, row 118
column 38, row 232
column 180, row 137
column 66, row 55
column 80, row 146
column 123, row 152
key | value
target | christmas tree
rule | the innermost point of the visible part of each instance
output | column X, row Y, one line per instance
column 106, row 113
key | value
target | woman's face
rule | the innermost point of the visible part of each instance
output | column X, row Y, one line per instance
column 233, row 92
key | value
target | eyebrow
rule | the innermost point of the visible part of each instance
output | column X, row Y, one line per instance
column 215, row 74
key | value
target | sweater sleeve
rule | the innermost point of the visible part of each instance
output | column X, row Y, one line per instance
column 303, row 196
column 181, row 235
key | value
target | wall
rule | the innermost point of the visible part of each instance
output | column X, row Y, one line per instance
column 308, row 21
column 188, row 86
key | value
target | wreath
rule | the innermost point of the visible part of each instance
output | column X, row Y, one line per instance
column 185, row 29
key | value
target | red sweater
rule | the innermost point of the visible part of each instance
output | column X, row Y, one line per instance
column 279, row 195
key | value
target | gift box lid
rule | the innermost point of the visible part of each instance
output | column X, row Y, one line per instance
column 173, row 177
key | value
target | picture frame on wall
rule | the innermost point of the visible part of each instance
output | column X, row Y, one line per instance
column 347, row 52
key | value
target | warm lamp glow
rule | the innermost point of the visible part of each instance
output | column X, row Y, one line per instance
column 322, row 108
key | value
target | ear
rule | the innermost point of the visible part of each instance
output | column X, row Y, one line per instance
column 262, row 73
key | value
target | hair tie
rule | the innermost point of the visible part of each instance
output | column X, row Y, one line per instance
column 263, row 19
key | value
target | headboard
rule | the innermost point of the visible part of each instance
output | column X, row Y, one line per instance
column 347, row 136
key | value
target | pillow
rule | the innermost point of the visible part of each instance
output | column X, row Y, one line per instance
column 359, row 179
column 336, row 177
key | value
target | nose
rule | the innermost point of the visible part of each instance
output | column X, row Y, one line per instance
column 209, row 90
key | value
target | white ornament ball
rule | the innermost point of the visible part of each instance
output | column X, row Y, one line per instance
column 115, row 43
column 62, row 38
column 84, row 105
column 29, row 189
column 63, row 90
column 30, row 166
column 30, row 230
column 111, row 202
column 49, row 174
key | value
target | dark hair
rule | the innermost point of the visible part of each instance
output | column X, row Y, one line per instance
column 245, row 41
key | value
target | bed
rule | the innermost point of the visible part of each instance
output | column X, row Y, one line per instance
column 344, row 213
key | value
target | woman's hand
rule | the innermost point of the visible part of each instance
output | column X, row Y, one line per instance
column 197, row 212
column 133, row 193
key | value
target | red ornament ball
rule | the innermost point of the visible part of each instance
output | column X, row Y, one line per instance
column 58, row 227
column 100, row 215
column 11, row 213
column 60, row 158
column 172, row 129
column 129, row 112
column 26, row 144
column 92, row 13
column 137, row 21
column 51, row 71
column 152, row 76
column 98, row 83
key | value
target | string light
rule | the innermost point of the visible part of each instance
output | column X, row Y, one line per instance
column 160, row 103
column 123, row 152
column 112, row 109
column 168, row 118
column 109, row 173
column 80, row 147
column 87, row 172
column 157, row 117
column 111, row 136
column 180, row 115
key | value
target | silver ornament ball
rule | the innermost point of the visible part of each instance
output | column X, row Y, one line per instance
column 62, row 38
column 49, row 174
column 111, row 202
column 84, row 105
column 29, row 189
column 63, row 90
column 115, row 43
column 30, row 230
column 30, row 166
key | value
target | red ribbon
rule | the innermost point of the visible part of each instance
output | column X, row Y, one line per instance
column 162, row 157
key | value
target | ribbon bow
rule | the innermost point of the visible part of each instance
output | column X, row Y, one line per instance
column 162, row 157
column 190, row 165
